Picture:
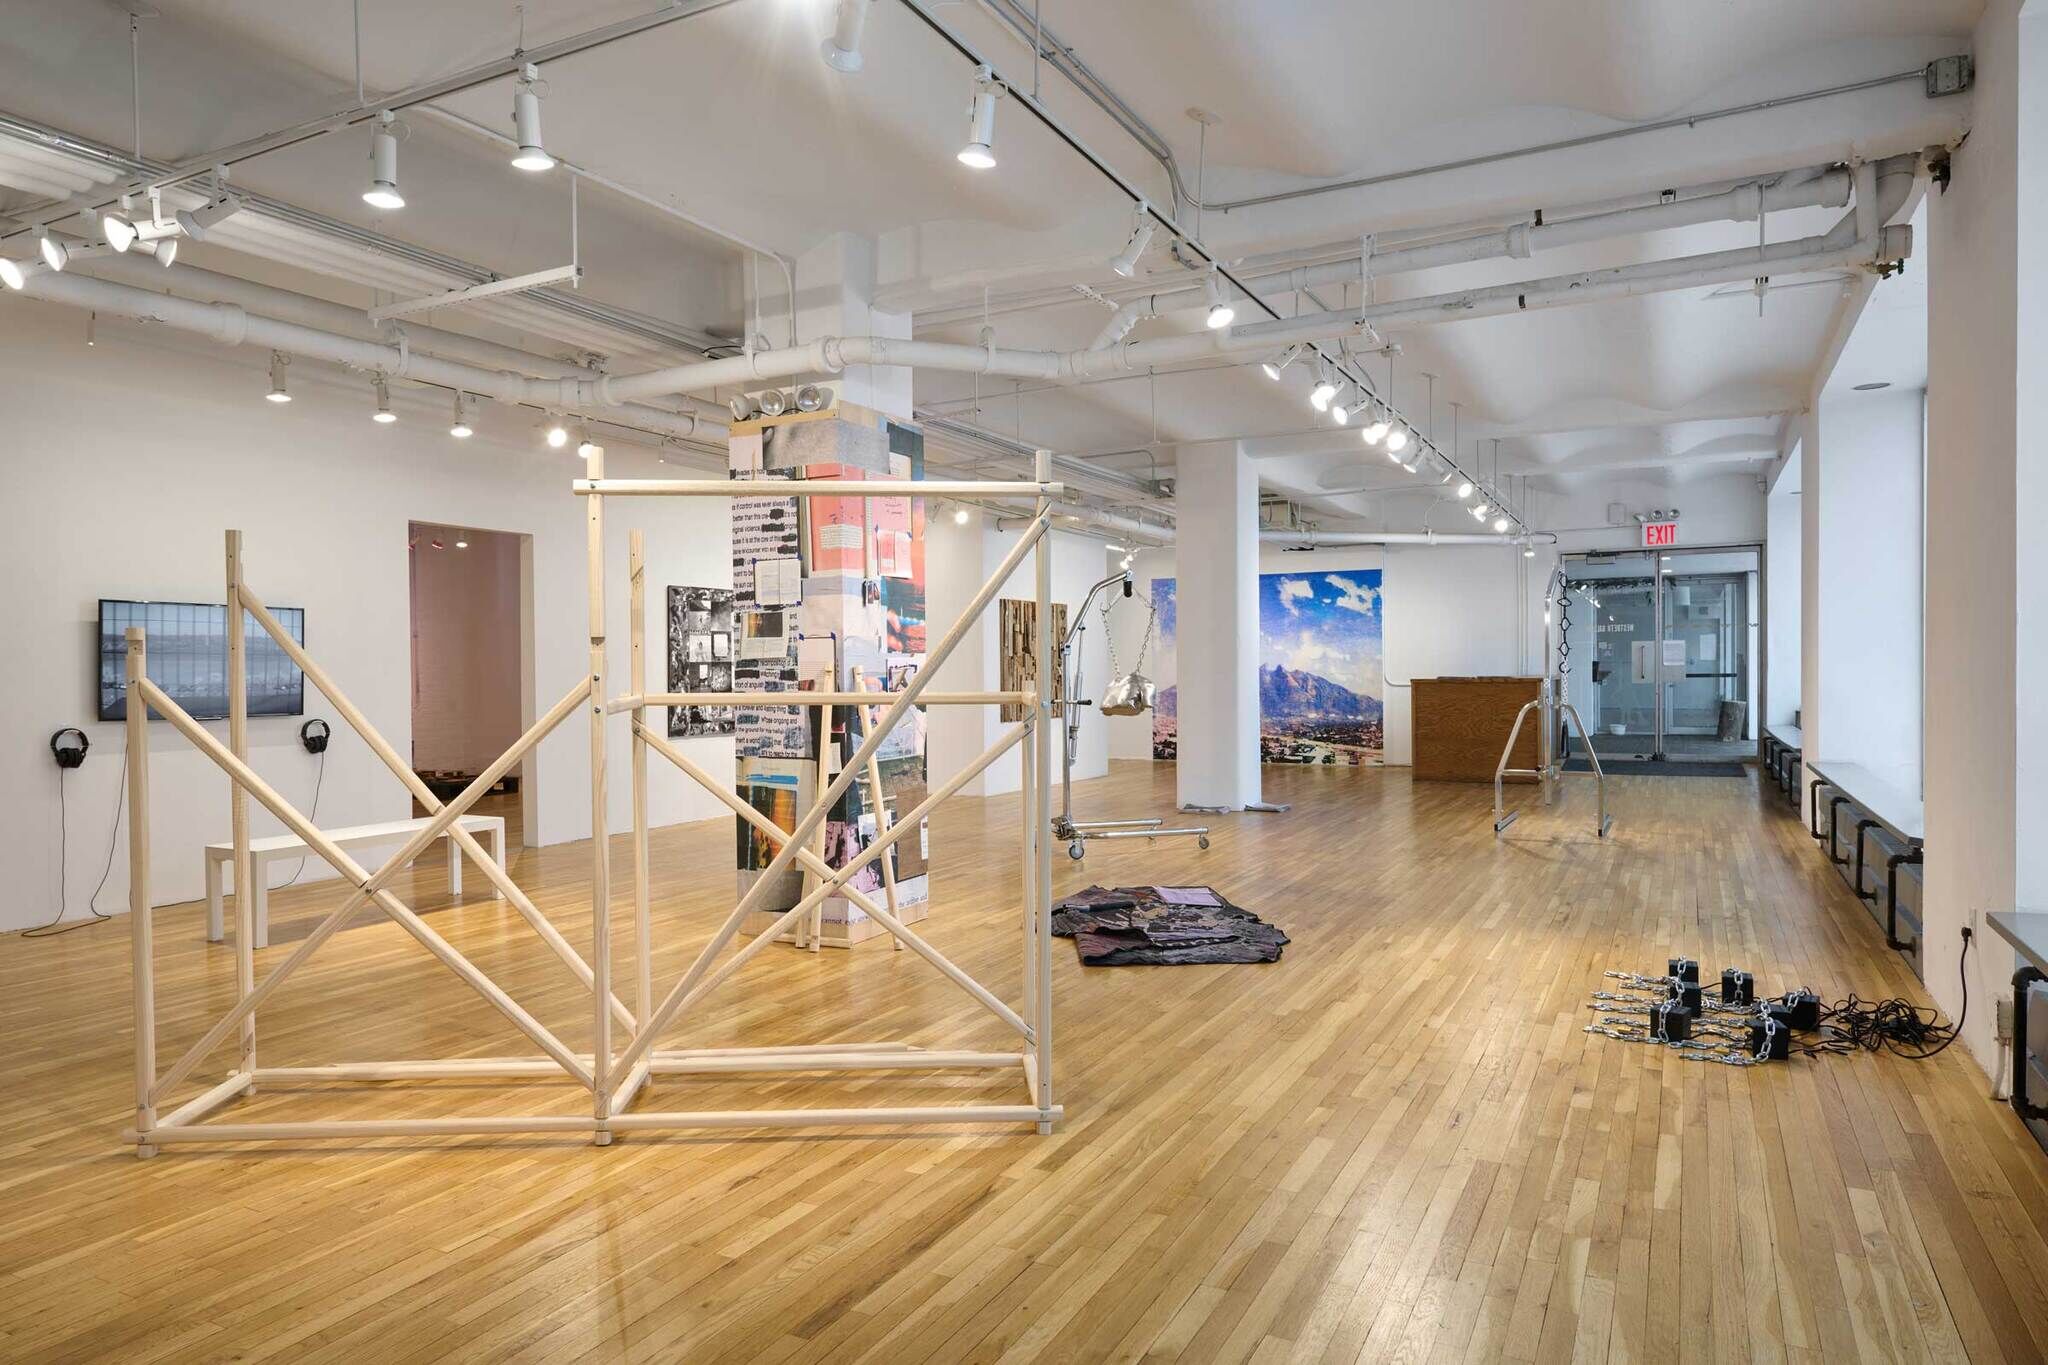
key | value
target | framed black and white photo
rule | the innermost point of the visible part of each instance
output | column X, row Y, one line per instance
column 700, row 630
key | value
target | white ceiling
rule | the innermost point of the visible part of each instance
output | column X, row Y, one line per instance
column 731, row 117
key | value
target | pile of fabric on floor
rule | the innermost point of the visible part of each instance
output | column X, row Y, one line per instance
column 1162, row 926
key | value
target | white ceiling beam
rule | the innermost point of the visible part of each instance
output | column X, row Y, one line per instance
column 516, row 284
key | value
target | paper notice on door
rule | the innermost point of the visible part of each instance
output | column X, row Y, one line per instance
column 1674, row 654
column 1708, row 648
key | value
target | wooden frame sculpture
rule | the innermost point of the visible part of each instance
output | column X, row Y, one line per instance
column 614, row 1076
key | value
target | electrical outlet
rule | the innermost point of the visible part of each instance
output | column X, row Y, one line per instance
column 2004, row 1024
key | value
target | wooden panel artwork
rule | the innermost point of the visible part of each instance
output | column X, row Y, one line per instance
column 1018, row 618
column 1461, row 725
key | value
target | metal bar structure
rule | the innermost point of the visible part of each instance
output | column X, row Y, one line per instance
column 1553, row 710
column 1077, row 833
column 619, row 1065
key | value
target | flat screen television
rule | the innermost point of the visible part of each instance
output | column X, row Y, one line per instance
column 188, row 658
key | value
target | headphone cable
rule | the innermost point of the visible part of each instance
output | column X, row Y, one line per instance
column 57, row 926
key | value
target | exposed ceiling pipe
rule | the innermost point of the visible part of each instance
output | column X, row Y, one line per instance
column 210, row 286
column 232, row 325
column 1840, row 247
column 1316, row 540
column 498, row 68
column 1518, row 241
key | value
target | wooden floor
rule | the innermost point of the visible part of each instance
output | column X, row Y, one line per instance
column 1395, row 1143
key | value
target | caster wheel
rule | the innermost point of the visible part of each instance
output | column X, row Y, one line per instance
column 1074, row 850
column 1202, row 842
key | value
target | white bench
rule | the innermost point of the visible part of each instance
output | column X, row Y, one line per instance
column 267, row 850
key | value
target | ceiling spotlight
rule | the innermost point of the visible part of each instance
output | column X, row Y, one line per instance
column 774, row 402
column 460, row 428
column 1281, row 361
column 383, row 413
column 119, row 230
column 278, row 392
column 1464, row 489
column 809, row 397
column 980, row 151
column 742, row 406
column 1326, row 388
column 959, row 516
column 462, row 545
column 1221, row 314
column 1528, row 552
column 587, row 448
column 1479, row 512
column 11, row 273
column 558, row 434
column 842, row 50
column 1125, row 562
column 526, row 123
column 1397, row 439
column 165, row 249
column 1377, row 430
column 195, row 222
column 55, row 254
column 383, row 192
column 1125, row 262
column 1501, row 524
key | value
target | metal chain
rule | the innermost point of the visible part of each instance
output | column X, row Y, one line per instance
column 1144, row 645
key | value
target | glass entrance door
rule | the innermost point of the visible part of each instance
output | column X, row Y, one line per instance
column 1610, row 623
column 1708, row 630
column 1662, row 652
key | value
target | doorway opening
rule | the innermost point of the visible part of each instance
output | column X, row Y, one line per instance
column 472, row 663
column 1665, row 651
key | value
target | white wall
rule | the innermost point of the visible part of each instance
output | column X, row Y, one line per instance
column 126, row 462
column 1861, row 495
column 958, row 560
column 1450, row 611
column 1782, row 593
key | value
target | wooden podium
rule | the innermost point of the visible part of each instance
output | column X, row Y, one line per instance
column 1461, row 725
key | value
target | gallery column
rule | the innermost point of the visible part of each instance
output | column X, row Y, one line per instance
column 1216, row 511
column 1987, row 450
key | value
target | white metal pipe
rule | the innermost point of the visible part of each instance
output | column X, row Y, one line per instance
column 1838, row 248
column 232, row 325
column 211, row 286
column 1319, row 539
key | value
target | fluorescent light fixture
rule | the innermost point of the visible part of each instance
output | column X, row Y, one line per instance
column 11, row 274
column 1281, row 361
column 1221, row 314
column 842, row 50
column 460, row 428
column 383, row 192
column 119, row 230
column 1125, row 262
column 532, row 156
column 1464, row 489
column 383, row 413
column 278, row 392
column 980, row 151
column 558, row 435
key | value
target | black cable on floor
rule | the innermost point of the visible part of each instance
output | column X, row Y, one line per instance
column 1896, row 1026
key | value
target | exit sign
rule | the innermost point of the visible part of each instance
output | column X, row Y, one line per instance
column 1656, row 533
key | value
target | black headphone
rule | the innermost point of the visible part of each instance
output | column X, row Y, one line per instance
column 313, row 734
column 67, row 753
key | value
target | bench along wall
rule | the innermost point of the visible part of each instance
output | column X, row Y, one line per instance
column 125, row 463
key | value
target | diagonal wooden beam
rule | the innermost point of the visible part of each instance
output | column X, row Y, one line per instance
column 822, row 869
column 682, row 999
column 422, row 793
column 366, row 885
column 907, row 698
